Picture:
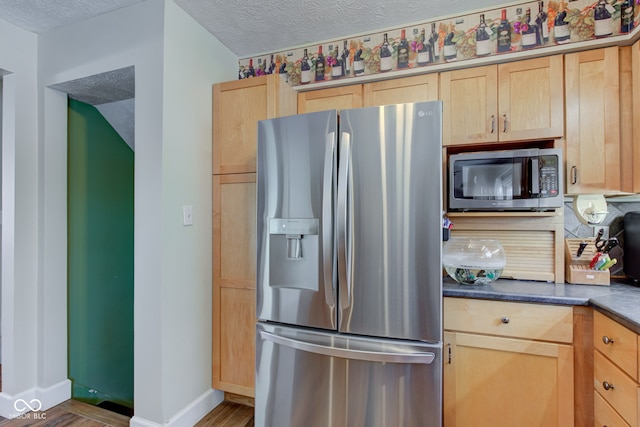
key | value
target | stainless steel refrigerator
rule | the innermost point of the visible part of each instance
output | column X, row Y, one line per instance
column 349, row 279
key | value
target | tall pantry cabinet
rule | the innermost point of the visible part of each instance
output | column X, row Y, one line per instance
column 237, row 108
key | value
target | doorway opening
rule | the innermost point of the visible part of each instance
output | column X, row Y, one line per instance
column 100, row 207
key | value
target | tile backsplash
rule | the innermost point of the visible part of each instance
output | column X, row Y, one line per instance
column 573, row 228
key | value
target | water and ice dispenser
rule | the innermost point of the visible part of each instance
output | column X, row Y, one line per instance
column 293, row 253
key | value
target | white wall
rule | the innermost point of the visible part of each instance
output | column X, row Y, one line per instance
column 20, row 174
column 175, row 61
column 193, row 61
column 1, row 97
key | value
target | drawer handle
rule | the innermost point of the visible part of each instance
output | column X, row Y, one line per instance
column 607, row 340
column 504, row 319
column 607, row 386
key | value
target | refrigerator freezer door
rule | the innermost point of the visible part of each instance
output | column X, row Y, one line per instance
column 295, row 182
column 307, row 378
column 390, row 221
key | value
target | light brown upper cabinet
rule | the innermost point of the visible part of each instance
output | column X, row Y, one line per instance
column 593, row 121
column 237, row 107
column 635, row 118
column 335, row 98
column 516, row 101
column 399, row 91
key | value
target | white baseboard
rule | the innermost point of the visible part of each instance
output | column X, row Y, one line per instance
column 7, row 401
column 190, row 415
column 54, row 395
column 12, row 406
column 141, row 422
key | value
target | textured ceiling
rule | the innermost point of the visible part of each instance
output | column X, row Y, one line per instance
column 112, row 93
column 40, row 16
column 101, row 88
column 256, row 26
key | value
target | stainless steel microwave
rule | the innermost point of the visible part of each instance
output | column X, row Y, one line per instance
column 527, row 179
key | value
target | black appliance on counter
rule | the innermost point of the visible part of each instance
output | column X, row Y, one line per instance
column 632, row 245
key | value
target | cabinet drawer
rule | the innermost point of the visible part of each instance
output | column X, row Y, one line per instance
column 605, row 415
column 509, row 319
column 617, row 388
column 616, row 342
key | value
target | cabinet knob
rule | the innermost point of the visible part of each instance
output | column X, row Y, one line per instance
column 504, row 118
column 493, row 123
column 574, row 174
column 607, row 340
column 504, row 319
column 607, row 386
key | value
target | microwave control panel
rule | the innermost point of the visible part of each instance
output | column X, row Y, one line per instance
column 548, row 176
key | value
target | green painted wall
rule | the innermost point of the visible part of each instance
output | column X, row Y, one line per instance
column 100, row 258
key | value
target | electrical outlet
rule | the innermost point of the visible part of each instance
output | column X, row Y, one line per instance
column 597, row 228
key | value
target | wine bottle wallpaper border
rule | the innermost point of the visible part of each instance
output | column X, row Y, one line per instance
column 499, row 31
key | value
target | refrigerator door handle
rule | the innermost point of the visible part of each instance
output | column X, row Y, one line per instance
column 327, row 220
column 343, row 256
column 424, row 358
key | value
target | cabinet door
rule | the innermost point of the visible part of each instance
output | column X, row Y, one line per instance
column 337, row 98
column 470, row 105
column 615, row 387
column 234, row 272
column 531, row 99
column 399, row 91
column 617, row 343
column 237, row 108
column 593, row 121
column 635, row 110
column 492, row 381
column 605, row 415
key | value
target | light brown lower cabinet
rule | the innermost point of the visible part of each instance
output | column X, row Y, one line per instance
column 616, row 373
column 499, row 368
column 605, row 415
column 234, row 290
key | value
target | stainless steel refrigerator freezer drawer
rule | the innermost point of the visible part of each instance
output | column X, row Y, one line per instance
column 310, row 378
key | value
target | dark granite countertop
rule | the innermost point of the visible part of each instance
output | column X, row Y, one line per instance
column 620, row 300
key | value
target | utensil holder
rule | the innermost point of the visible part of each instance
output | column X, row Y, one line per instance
column 577, row 269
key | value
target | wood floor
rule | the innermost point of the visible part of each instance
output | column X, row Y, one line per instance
column 228, row 414
column 78, row 414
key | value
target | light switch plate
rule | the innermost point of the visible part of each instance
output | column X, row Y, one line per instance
column 187, row 215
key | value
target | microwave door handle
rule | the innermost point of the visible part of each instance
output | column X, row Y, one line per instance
column 535, row 176
column 327, row 221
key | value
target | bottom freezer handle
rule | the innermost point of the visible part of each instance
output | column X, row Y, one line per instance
column 424, row 358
